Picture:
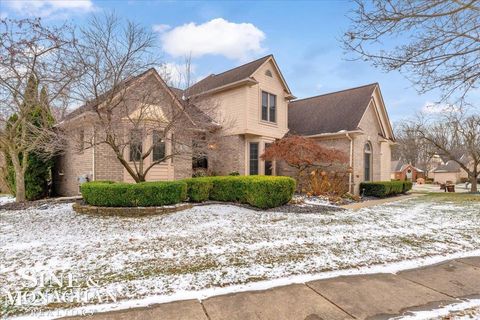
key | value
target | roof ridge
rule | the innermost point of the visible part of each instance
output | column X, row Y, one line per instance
column 228, row 70
column 240, row 66
column 339, row 91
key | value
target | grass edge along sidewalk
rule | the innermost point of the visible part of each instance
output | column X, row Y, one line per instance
column 377, row 296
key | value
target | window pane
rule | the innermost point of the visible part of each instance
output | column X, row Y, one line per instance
column 158, row 146
column 273, row 106
column 367, row 167
column 264, row 106
column 135, row 145
column 254, row 158
column 268, row 164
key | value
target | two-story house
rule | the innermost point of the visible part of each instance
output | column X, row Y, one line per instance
column 255, row 107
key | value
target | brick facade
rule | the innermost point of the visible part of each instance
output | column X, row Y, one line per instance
column 72, row 164
column 228, row 156
column 107, row 166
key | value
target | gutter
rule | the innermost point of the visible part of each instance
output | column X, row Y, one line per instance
column 248, row 80
column 350, row 175
column 339, row 133
column 93, row 157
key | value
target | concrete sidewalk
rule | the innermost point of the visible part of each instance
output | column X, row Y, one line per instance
column 375, row 296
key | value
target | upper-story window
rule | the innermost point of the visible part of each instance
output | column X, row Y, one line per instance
column 269, row 107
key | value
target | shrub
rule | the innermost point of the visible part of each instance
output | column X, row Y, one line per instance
column 268, row 192
column 407, row 186
column 228, row 188
column 383, row 189
column 145, row 194
column 198, row 189
column 234, row 173
column 259, row 191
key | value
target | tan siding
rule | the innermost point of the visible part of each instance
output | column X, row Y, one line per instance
column 232, row 109
column 272, row 85
column 159, row 172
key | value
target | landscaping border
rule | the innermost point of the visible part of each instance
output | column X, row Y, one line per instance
column 129, row 211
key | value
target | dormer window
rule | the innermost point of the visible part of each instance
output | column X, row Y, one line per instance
column 268, row 73
column 269, row 107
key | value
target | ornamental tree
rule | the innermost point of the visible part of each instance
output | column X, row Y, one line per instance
column 304, row 155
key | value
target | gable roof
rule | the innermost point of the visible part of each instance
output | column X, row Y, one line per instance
column 450, row 166
column 240, row 74
column 397, row 165
column 330, row 112
column 90, row 105
column 230, row 76
column 400, row 165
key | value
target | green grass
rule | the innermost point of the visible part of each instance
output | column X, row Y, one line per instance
column 453, row 197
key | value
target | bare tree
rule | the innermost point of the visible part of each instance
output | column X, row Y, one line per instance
column 410, row 147
column 30, row 53
column 438, row 41
column 454, row 134
column 129, row 101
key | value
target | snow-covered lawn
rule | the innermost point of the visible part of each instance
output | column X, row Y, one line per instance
column 224, row 245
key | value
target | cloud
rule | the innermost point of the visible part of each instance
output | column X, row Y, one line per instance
column 176, row 74
column 436, row 108
column 160, row 28
column 238, row 41
column 46, row 8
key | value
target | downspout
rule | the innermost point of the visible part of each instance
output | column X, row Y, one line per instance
column 350, row 174
column 93, row 158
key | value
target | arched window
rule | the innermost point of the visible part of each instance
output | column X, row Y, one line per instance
column 367, row 162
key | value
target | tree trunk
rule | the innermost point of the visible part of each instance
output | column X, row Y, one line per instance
column 19, row 179
column 19, row 186
column 473, row 182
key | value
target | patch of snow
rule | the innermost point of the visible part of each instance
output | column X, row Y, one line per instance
column 215, row 249
column 447, row 311
column 6, row 199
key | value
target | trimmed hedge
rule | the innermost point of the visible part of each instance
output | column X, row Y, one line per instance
column 145, row 194
column 383, row 189
column 258, row 191
column 269, row 192
column 198, row 189
column 407, row 186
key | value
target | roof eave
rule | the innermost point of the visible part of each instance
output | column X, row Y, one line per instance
column 249, row 81
column 339, row 133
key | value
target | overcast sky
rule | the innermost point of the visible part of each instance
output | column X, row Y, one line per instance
column 303, row 37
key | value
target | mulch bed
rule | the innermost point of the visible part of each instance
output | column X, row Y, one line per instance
column 43, row 204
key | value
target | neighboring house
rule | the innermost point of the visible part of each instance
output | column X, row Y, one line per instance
column 354, row 121
column 255, row 108
column 451, row 171
column 405, row 171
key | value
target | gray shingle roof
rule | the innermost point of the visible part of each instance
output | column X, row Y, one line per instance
column 397, row 165
column 90, row 105
column 331, row 112
column 214, row 81
column 450, row 166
